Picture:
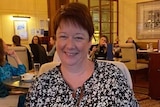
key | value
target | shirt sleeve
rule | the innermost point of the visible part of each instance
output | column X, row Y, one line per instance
column 21, row 69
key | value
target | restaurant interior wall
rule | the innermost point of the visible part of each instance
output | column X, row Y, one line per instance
column 127, row 20
column 35, row 9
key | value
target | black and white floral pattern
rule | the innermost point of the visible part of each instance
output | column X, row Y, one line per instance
column 107, row 87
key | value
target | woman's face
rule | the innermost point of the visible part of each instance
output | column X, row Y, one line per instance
column 51, row 41
column 102, row 41
column 72, row 43
column 35, row 40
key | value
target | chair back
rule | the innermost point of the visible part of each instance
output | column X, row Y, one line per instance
column 22, row 54
column 47, row 66
column 128, row 51
column 124, row 70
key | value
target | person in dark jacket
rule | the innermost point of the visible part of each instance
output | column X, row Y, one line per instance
column 38, row 51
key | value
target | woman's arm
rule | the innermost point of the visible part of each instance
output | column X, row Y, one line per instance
column 13, row 54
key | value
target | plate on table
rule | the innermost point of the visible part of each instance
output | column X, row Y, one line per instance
column 28, row 77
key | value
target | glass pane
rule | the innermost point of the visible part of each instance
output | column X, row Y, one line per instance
column 84, row 2
column 94, row 9
column 115, row 8
column 105, row 2
column 94, row 3
column 105, row 27
column 105, row 16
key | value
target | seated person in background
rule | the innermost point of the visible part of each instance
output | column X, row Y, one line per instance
column 56, row 57
column 52, row 43
column 38, row 51
column 130, row 40
column 51, row 53
column 139, row 56
column 6, row 69
column 78, row 81
column 17, row 42
column 99, row 51
column 36, row 40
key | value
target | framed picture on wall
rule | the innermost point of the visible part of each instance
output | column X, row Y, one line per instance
column 20, row 27
column 148, row 20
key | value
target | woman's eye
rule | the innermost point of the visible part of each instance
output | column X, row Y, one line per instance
column 63, row 37
column 79, row 38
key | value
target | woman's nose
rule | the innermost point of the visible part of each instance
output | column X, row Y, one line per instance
column 70, row 43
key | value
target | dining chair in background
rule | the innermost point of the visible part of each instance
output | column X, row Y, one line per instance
column 128, row 51
column 22, row 54
column 47, row 66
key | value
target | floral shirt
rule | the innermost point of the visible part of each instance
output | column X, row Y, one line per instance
column 8, row 71
column 107, row 87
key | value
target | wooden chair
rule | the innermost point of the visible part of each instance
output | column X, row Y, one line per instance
column 128, row 51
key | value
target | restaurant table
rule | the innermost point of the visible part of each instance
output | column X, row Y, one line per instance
column 17, row 82
column 121, row 60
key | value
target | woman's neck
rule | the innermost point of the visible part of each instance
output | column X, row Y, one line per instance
column 76, row 76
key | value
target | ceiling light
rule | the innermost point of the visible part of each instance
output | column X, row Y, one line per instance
column 20, row 17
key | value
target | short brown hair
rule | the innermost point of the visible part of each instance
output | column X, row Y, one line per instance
column 16, row 40
column 76, row 13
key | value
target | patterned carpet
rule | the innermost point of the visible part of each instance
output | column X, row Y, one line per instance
column 141, row 87
column 144, row 100
column 149, row 103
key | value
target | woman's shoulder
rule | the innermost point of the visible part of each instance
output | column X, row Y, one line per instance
column 106, row 67
column 52, row 72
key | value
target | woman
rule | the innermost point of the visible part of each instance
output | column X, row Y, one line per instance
column 52, row 43
column 38, row 51
column 78, row 81
column 36, row 40
column 7, row 70
column 99, row 51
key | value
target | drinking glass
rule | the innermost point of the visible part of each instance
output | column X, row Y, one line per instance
column 36, row 68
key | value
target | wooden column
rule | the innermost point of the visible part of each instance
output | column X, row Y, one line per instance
column 53, row 6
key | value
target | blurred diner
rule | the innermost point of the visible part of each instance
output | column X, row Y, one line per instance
column 6, row 69
column 52, row 43
column 99, row 51
column 38, row 51
column 16, row 39
column 130, row 40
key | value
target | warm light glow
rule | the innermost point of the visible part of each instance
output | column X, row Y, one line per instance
column 20, row 18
